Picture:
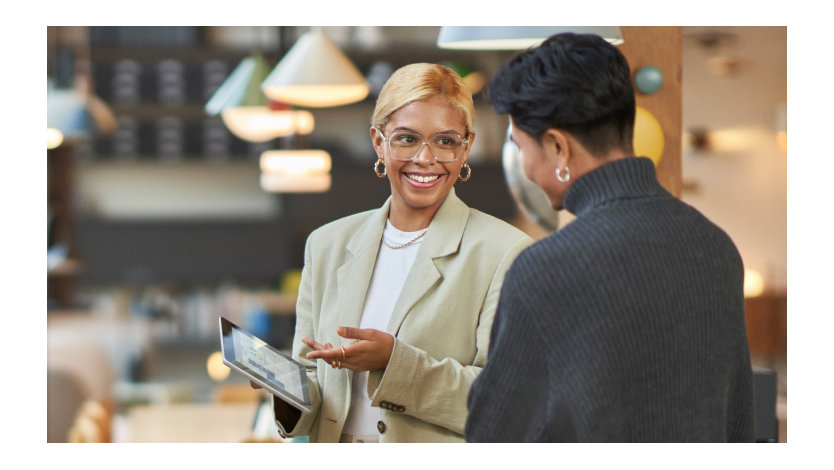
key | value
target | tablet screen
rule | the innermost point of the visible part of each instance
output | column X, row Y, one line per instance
column 267, row 365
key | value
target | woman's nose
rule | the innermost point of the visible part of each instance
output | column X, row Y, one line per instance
column 425, row 155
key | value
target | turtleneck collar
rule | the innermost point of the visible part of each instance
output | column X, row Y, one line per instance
column 626, row 178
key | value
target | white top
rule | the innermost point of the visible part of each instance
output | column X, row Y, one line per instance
column 390, row 271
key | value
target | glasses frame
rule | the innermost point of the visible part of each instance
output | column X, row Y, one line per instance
column 425, row 142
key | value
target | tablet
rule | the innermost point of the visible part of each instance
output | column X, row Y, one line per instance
column 265, row 365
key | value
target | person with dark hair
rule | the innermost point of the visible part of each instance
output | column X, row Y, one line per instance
column 627, row 324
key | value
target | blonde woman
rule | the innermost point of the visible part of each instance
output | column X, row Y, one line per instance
column 396, row 304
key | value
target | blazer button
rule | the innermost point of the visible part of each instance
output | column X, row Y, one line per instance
column 380, row 426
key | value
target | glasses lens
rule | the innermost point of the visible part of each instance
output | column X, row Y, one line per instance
column 447, row 147
column 444, row 147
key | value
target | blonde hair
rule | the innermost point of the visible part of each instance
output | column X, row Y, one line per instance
column 419, row 81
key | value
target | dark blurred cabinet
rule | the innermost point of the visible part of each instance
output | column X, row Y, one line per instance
column 61, row 241
column 767, row 325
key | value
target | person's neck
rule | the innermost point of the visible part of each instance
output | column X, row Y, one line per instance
column 410, row 220
column 586, row 162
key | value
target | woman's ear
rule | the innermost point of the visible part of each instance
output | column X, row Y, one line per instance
column 557, row 145
column 376, row 140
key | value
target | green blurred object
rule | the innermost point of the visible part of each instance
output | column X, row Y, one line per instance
column 242, row 87
column 648, row 79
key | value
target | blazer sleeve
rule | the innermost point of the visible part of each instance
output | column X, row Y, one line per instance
column 291, row 421
column 435, row 390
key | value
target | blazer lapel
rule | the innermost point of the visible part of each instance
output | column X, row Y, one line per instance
column 442, row 239
column 354, row 276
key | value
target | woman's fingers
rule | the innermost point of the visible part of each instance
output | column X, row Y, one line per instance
column 367, row 334
column 370, row 351
column 332, row 353
column 315, row 344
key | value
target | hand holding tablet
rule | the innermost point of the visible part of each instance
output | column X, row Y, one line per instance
column 264, row 365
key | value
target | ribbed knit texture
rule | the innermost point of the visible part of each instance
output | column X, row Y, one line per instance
column 626, row 325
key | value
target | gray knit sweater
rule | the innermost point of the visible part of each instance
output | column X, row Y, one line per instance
column 626, row 325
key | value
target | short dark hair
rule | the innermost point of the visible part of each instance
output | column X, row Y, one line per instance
column 575, row 82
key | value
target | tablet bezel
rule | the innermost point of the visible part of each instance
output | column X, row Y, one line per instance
column 302, row 403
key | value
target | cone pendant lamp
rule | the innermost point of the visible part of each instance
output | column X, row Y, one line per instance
column 315, row 74
column 245, row 110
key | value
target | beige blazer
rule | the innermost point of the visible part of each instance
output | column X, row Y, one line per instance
column 441, row 321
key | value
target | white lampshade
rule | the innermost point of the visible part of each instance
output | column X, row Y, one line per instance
column 295, row 162
column 245, row 110
column 514, row 37
column 275, row 183
column 315, row 73
column 295, row 171
column 261, row 124
column 67, row 116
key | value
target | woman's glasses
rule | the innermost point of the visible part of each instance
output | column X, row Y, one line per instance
column 445, row 147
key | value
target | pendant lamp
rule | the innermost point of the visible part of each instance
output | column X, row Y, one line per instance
column 315, row 74
column 245, row 110
column 73, row 111
column 295, row 171
column 71, row 115
column 507, row 38
column 67, row 117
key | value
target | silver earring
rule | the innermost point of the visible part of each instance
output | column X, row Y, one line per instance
column 563, row 178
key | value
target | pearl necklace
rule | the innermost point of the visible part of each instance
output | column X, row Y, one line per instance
column 403, row 245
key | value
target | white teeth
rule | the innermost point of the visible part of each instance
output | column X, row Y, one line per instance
column 423, row 179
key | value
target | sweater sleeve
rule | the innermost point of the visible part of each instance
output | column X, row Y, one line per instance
column 509, row 398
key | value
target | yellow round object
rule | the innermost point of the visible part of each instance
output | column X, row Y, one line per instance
column 215, row 367
column 648, row 135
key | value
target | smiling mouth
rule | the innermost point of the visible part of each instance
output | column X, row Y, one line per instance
column 422, row 179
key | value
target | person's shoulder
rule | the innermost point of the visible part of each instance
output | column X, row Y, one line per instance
column 541, row 257
column 342, row 227
column 492, row 228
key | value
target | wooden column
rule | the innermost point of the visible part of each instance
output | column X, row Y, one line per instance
column 662, row 47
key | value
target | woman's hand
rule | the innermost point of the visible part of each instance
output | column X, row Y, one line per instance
column 371, row 351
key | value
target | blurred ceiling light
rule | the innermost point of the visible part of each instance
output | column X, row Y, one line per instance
column 295, row 171
column 738, row 139
column 277, row 183
column 261, row 124
column 70, row 115
column 754, row 284
column 782, row 141
column 54, row 138
column 245, row 110
column 295, row 161
column 514, row 37
column 726, row 66
column 215, row 367
column 316, row 74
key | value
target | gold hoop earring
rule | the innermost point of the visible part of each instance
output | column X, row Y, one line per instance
column 376, row 168
column 468, row 173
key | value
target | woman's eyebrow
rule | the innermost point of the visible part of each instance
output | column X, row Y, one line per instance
column 448, row 131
